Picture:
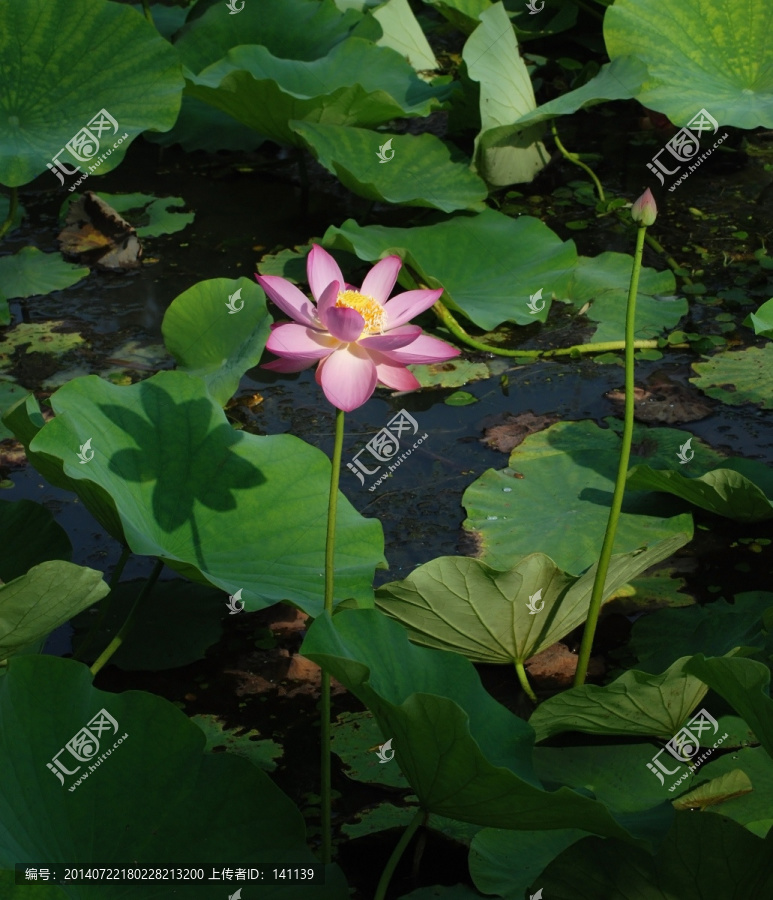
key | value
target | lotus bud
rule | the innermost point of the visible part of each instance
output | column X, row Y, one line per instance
column 644, row 211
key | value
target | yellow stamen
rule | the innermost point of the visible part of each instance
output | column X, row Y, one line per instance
column 370, row 310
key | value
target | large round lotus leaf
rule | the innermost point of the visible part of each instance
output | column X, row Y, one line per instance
column 725, row 491
column 489, row 264
column 465, row 756
column 357, row 83
column 64, row 63
column 604, row 281
column 634, row 703
column 210, row 340
column 419, row 170
column 744, row 376
column 753, row 810
column 745, row 684
column 239, row 510
column 155, row 799
column 504, row 153
column 461, row 604
column 292, row 29
column 29, row 535
column 699, row 54
column 714, row 628
column 700, row 857
column 556, row 493
column 44, row 598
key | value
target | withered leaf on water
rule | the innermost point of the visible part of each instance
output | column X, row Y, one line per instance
column 96, row 235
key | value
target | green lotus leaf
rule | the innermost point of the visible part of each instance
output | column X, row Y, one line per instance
column 674, row 43
column 745, row 684
column 461, row 604
column 504, row 153
column 751, row 810
column 604, row 281
column 634, row 703
column 418, row 171
column 10, row 393
column 489, row 264
column 64, row 63
column 192, row 803
column 233, row 509
column 216, row 341
column 762, row 320
column 260, row 753
column 202, row 127
column 465, row 756
column 700, row 856
column 561, row 502
column 463, row 14
column 724, row 491
column 725, row 787
column 493, row 850
column 357, row 83
column 714, row 628
column 402, row 32
column 29, row 535
column 34, row 604
column 743, row 376
column 317, row 27
column 150, row 215
column 619, row 80
column 31, row 272
column 197, row 611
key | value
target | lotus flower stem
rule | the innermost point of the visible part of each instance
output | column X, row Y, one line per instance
column 13, row 202
column 106, row 605
column 525, row 681
column 325, row 791
column 622, row 470
column 659, row 248
column 129, row 620
column 447, row 318
column 574, row 158
column 394, row 859
column 148, row 14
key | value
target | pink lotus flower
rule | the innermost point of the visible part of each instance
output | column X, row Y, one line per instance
column 359, row 337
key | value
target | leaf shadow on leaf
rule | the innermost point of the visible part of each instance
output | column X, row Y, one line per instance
column 211, row 470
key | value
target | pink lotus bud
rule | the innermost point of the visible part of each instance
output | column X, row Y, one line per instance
column 644, row 211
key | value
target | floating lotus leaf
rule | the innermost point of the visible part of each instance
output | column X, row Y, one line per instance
column 738, row 377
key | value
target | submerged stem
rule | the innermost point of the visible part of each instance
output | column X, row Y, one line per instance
column 128, row 622
column 622, row 471
column 394, row 859
column 325, row 790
